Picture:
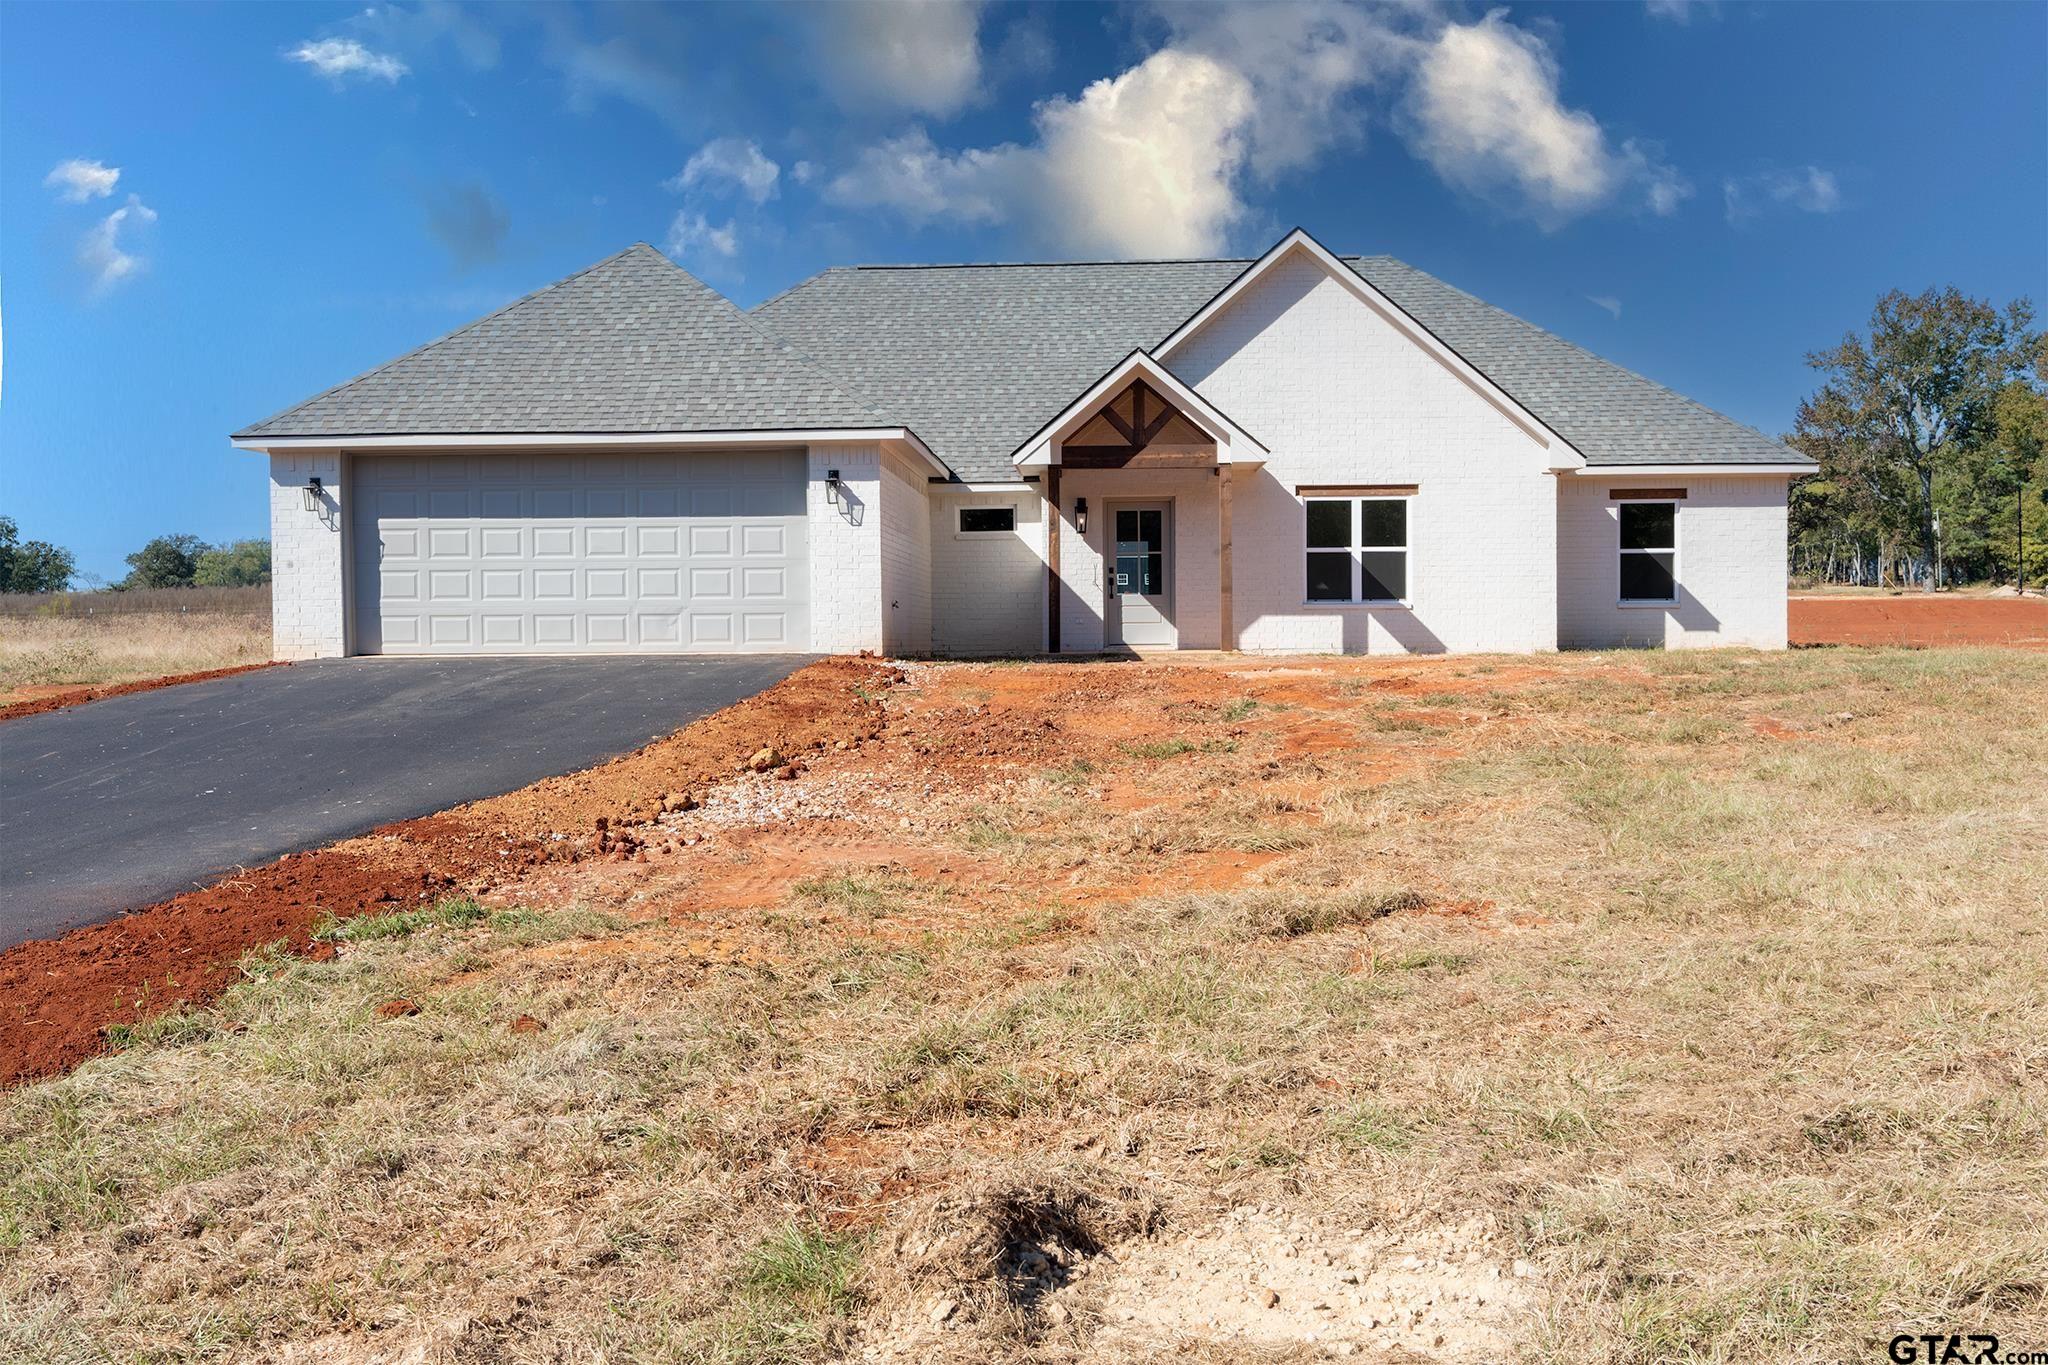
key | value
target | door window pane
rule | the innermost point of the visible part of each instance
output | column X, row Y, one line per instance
column 1329, row 576
column 1383, row 521
column 1329, row 524
column 1142, row 574
column 1648, row 577
column 1385, row 575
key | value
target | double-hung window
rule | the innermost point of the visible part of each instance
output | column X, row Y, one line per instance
column 1357, row 549
column 1649, row 552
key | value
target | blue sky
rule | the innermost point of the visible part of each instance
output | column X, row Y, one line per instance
column 208, row 212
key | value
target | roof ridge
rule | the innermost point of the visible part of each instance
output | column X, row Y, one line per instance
column 376, row 370
column 775, row 339
column 1037, row 265
column 1590, row 355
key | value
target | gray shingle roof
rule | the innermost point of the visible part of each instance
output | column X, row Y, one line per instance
column 632, row 344
column 1613, row 415
column 973, row 358
column 976, row 358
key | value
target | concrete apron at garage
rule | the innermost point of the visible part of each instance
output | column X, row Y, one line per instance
column 123, row 802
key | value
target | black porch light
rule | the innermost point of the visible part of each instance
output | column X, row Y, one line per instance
column 832, row 486
column 1081, row 515
column 312, row 493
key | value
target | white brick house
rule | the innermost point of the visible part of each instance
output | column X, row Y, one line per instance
column 1304, row 452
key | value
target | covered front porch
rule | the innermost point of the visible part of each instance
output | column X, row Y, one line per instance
column 1138, row 476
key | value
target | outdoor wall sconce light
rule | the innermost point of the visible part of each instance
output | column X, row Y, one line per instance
column 1081, row 515
column 312, row 492
column 832, row 486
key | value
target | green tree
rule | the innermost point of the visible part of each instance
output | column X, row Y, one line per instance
column 1902, row 408
column 32, row 565
column 166, row 562
column 242, row 564
column 2020, row 453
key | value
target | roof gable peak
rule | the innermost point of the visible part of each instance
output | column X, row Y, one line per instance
column 1299, row 243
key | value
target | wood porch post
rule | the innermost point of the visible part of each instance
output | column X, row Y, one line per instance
column 1052, row 559
column 1223, row 553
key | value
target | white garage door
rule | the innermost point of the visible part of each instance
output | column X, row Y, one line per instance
column 556, row 554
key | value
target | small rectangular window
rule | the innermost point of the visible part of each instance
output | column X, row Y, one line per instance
column 1649, row 551
column 1357, row 549
column 985, row 520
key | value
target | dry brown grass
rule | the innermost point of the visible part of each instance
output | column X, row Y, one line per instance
column 74, row 648
column 1713, row 981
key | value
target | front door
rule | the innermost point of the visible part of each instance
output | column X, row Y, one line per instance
column 1140, row 606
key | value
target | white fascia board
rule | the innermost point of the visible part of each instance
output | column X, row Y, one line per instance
column 1679, row 471
column 1041, row 449
column 620, row 440
column 1563, row 454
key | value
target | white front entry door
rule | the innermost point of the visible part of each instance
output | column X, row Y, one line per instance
column 1140, row 606
column 510, row 553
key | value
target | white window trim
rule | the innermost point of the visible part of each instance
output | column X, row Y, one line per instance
column 1356, row 548
column 1647, row 603
column 961, row 533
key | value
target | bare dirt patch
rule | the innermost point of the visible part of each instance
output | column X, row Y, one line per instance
column 35, row 701
column 58, row 997
column 1923, row 620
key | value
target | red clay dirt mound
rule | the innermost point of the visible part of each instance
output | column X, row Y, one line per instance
column 59, row 996
column 1923, row 620
column 58, row 699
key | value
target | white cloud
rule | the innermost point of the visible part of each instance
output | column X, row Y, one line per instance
column 338, row 59
column 1607, row 302
column 1806, row 189
column 419, row 28
column 101, row 253
column 1490, row 121
column 919, row 55
column 911, row 177
column 804, row 172
column 618, row 69
column 1680, row 11
column 730, row 161
column 77, row 181
column 1161, row 158
column 1145, row 164
column 1308, row 62
column 1142, row 164
column 689, row 234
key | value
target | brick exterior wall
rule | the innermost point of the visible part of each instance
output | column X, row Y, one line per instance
column 1341, row 396
column 846, row 551
column 308, row 558
column 988, row 590
column 1731, row 565
column 906, row 531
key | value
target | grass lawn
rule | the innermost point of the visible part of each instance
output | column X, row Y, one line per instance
column 72, row 640
column 1639, row 1007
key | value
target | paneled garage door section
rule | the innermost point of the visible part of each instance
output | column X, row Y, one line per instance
column 561, row 554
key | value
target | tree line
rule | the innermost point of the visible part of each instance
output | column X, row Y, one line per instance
column 173, row 561
column 1931, row 430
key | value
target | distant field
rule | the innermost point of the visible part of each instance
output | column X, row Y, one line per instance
column 59, row 640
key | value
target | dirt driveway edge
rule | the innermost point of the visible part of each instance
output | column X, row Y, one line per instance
column 64, row 699
column 59, row 997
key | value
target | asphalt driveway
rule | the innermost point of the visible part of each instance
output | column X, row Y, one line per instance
column 123, row 802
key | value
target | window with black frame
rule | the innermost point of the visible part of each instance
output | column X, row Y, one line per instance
column 1357, row 549
column 1649, row 552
